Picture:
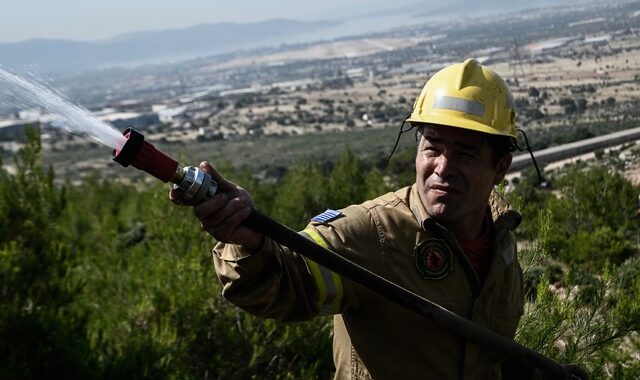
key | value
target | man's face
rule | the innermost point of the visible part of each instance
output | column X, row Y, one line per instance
column 455, row 173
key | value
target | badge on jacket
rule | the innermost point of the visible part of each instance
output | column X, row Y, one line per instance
column 433, row 259
column 327, row 216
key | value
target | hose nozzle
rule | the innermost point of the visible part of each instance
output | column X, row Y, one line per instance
column 144, row 156
column 193, row 184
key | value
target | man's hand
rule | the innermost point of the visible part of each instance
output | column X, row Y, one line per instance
column 222, row 215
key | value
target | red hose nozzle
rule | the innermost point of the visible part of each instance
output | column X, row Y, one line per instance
column 144, row 156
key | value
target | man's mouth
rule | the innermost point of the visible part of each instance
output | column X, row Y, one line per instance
column 443, row 189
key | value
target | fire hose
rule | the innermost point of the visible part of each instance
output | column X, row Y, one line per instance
column 197, row 186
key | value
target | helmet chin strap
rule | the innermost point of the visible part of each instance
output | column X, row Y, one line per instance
column 528, row 148
column 402, row 130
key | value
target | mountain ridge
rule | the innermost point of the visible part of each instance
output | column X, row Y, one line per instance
column 180, row 43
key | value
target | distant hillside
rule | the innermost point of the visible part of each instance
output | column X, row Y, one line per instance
column 149, row 46
column 465, row 7
column 427, row 8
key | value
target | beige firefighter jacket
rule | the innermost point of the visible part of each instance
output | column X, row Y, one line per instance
column 373, row 338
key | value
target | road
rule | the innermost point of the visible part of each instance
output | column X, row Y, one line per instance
column 562, row 152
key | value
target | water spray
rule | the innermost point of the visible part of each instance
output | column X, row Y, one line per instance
column 74, row 118
column 196, row 186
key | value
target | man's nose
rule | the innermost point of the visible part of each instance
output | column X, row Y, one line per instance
column 443, row 166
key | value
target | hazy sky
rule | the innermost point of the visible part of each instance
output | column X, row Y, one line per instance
column 95, row 19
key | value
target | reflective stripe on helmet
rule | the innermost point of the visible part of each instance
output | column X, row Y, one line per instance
column 328, row 283
column 458, row 104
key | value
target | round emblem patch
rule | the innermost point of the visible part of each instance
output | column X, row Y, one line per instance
column 433, row 259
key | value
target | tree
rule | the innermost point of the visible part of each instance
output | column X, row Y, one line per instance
column 300, row 195
column 611, row 101
column 346, row 182
column 41, row 335
column 594, row 210
column 375, row 184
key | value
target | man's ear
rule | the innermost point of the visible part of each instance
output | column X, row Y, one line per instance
column 502, row 167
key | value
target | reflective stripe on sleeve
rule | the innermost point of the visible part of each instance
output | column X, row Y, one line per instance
column 329, row 284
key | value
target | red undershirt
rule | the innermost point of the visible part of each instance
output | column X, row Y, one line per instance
column 478, row 251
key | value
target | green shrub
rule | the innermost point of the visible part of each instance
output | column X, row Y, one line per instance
column 41, row 333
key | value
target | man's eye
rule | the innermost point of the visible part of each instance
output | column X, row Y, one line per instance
column 467, row 155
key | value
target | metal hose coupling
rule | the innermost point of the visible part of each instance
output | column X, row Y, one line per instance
column 195, row 186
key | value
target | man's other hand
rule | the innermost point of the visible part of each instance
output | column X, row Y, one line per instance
column 222, row 215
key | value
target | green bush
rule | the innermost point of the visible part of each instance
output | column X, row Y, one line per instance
column 581, row 269
column 600, row 335
column 41, row 332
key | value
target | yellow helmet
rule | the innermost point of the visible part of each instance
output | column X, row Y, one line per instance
column 467, row 95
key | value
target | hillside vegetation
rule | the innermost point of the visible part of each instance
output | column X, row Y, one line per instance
column 107, row 280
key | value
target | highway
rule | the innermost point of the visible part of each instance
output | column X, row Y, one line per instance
column 561, row 152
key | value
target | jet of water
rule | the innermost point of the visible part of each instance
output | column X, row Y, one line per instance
column 75, row 118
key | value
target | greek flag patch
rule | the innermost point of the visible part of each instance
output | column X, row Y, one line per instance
column 327, row 216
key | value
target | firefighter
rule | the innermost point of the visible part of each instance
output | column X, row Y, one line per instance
column 448, row 238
